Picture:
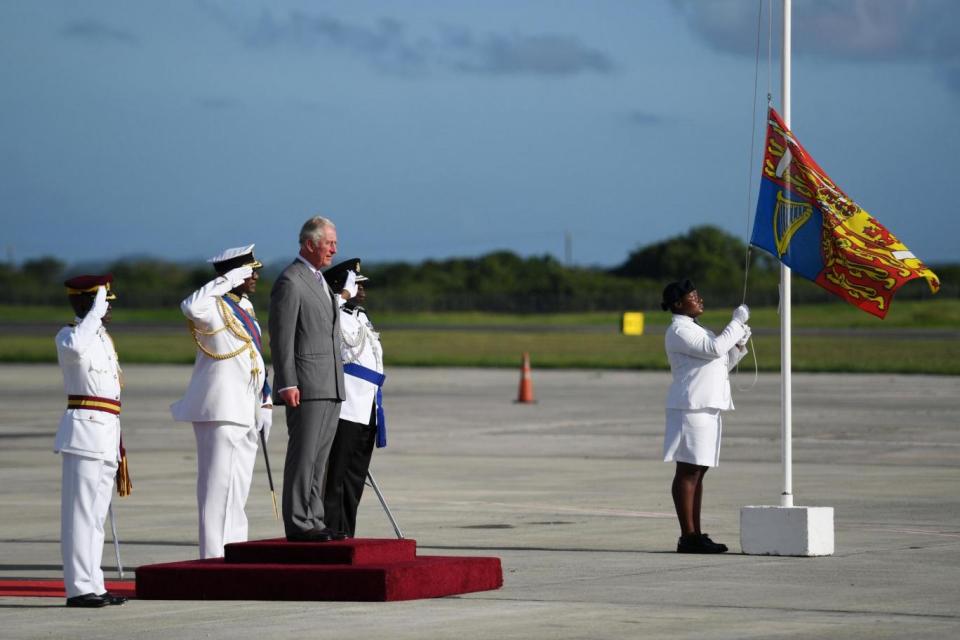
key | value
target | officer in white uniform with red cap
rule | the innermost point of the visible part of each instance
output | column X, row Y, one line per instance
column 228, row 398
column 88, row 439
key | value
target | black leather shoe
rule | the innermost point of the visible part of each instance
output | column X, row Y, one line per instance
column 113, row 598
column 336, row 535
column 698, row 543
column 89, row 600
column 313, row 535
column 723, row 547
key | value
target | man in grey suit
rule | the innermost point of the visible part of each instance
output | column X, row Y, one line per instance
column 308, row 377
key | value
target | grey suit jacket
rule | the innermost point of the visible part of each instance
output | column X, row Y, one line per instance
column 305, row 336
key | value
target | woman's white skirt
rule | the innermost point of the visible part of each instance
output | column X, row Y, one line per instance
column 693, row 437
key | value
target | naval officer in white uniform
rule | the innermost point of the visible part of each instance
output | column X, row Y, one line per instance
column 88, row 439
column 362, row 421
column 228, row 398
column 700, row 362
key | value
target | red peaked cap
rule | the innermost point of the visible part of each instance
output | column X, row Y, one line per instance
column 88, row 284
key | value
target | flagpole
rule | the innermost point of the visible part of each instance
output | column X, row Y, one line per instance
column 786, row 310
column 786, row 324
column 786, row 530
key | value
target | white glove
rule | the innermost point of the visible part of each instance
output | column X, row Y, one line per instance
column 746, row 336
column 237, row 276
column 741, row 314
column 265, row 421
column 350, row 286
column 100, row 304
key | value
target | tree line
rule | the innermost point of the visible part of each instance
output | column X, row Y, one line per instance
column 498, row 281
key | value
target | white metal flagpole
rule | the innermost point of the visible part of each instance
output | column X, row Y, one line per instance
column 786, row 333
column 786, row 530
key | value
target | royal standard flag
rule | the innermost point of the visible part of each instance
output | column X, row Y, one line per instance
column 805, row 221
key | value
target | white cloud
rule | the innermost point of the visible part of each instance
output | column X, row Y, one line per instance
column 389, row 46
column 867, row 31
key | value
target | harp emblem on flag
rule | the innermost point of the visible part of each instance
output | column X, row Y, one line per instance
column 788, row 217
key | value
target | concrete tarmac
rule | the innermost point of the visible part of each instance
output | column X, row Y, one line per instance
column 569, row 492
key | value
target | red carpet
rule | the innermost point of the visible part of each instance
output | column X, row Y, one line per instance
column 355, row 551
column 348, row 570
column 54, row 588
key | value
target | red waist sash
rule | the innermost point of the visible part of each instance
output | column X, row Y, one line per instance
column 93, row 403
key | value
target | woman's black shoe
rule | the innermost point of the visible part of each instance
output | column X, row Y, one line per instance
column 699, row 543
column 723, row 547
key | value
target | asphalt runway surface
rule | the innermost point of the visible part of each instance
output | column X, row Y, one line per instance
column 569, row 492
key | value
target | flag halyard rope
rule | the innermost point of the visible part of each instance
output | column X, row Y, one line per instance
column 753, row 143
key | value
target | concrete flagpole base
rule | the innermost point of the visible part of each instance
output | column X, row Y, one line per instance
column 786, row 531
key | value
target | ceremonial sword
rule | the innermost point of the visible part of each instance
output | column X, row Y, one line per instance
column 116, row 543
column 373, row 483
column 266, row 459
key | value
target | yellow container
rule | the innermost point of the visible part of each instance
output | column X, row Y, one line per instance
column 632, row 323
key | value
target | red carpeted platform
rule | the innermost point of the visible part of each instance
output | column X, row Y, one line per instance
column 354, row 551
column 355, row 570
column 54, row 588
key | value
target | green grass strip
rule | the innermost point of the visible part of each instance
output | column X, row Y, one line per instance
column 562, row 350
column 915, row 314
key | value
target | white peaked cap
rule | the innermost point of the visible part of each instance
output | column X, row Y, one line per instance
column 230, row 254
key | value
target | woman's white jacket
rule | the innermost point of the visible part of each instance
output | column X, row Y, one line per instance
column 700, row 362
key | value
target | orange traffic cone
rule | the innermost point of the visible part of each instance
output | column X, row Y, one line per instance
column 525, row 394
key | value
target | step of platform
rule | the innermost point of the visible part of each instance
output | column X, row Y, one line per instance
column 355, row 551
column 424, row 577
column 368, row 570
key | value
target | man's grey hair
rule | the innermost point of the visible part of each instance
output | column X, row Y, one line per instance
column 314, row 229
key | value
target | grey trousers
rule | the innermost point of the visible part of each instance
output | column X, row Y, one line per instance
column 311, row 428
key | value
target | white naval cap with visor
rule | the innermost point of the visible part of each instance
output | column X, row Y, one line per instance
column 235, row 257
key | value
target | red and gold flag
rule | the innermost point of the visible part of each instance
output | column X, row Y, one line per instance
column 808, row 223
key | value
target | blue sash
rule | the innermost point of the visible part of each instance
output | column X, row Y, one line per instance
column 371, row 376
column 254, row 330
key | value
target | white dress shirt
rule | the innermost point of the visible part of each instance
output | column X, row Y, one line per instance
column 318, row 275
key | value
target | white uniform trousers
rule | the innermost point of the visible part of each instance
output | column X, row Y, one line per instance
column 85, row 491
column 226, row 453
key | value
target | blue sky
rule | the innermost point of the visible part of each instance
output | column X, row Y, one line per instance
column 452, row 128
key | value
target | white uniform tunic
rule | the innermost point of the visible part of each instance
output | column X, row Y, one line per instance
column 700, row 362
column 89, row 444
column 228, row 389
column 360, row 344
column 222, row 401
